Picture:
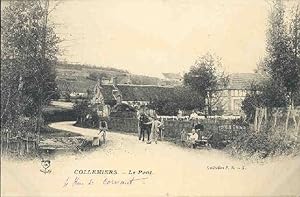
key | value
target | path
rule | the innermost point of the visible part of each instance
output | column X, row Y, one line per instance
column 175, row 171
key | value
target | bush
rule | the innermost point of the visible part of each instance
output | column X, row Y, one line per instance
column 182, row 98
column 263, row 144
column 86, row 115
column 52, row 114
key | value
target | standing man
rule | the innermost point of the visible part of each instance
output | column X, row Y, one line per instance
column 193, row 118
column 144, row 127
column 138, row 115
column 194, row 115
column 179, row 114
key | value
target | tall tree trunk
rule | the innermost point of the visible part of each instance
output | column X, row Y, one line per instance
column 256, row 118
column 287, row 118
column 209, row 110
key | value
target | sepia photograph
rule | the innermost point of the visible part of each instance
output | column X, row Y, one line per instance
column 150, row 98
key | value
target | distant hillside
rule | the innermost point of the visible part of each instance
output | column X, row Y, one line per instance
column 83, row 67
column 80, row 78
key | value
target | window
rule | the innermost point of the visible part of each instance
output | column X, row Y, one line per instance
column 237, row 104
column 236, row 92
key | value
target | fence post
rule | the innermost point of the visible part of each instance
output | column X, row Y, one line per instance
column 266, row 115
column 1, row 143
column 19, row 140
column 27, row 144
column 7, row 142
column 287, row 118
column 261, row 116
column 255, row 119
column 275, row 117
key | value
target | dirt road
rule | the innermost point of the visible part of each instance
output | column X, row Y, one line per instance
column 134, row 168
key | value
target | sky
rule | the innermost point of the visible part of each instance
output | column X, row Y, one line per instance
column 154, row 36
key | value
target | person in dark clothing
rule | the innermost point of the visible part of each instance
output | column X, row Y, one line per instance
column 143, row 127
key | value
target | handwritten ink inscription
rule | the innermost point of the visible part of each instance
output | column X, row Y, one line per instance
column 106, row 181
column 128, row 177
column 77, row 182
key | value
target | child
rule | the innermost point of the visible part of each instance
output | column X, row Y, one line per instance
column 102, row 130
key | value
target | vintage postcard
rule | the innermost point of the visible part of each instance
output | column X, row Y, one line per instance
column 150, row 98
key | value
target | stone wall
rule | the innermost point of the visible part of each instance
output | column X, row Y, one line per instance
column 173, row 128
column 129, row 125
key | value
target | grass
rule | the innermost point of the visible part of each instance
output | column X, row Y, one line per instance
column 263, row 145
column 48, row 132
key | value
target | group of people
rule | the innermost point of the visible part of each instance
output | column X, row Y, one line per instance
column 193, row 116
column 150, row 126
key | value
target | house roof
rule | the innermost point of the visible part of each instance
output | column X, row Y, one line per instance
column 242, row 81
column 130, row 92
column 138, row 92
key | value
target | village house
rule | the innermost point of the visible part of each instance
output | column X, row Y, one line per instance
column 135, row 94
column 230, row 98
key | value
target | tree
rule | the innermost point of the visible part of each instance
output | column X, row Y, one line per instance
column 206, row 78
column 81, row 109
column 98, row 75
column 29, row 49
column 281, row 66
column 265, row 94
column 294, row 33
column 282, row 60
column 182, row 98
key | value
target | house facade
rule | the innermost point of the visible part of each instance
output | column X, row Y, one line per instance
column 230, row 98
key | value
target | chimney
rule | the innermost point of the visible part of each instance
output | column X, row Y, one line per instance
column 99, row 81
column 114, row 81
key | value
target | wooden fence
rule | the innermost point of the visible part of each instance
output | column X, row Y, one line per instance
column 18, row 145
column 278, row 118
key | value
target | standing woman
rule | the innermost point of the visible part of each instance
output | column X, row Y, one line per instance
column 154, row 129
column 103, row 127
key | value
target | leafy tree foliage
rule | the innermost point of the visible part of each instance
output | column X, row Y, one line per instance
column 283, row 58
column 86, row 114
column 206, row 78
column 100, row 75
column 281, row 66
column 29, row 49
column 266, row 94
column 183, row 98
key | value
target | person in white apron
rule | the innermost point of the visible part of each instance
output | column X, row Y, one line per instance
column 156, row 124
column 103, row 128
